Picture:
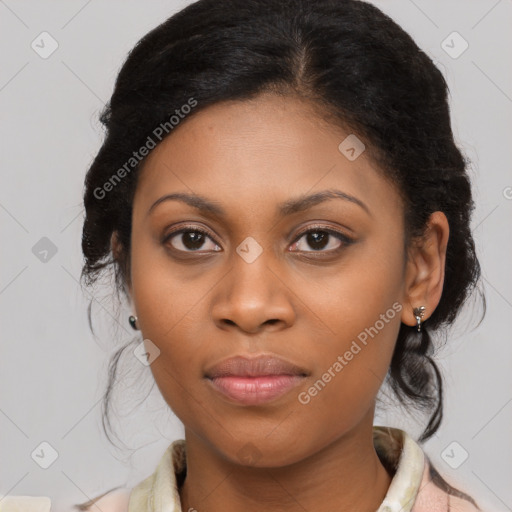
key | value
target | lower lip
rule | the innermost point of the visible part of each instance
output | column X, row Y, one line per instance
column 255, row 390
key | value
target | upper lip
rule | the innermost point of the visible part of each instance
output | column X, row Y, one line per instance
column 243, row 366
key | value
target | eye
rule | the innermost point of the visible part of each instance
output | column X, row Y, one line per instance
column 319, row 237
column 193, row 239
column 190, row 239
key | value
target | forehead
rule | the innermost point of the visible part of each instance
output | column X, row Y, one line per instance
column 253, row 154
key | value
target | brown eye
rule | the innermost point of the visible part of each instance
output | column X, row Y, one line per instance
column 318, row 238
column 190, row 240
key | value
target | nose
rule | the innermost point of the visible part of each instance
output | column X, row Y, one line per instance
column 253, row 297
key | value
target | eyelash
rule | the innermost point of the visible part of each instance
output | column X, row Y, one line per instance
column 346, row 241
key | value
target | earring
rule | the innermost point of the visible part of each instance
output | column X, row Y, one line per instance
column 133, row 322
column 419, row 313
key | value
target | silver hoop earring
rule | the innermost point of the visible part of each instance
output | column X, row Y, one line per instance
column 419, row 313
column 133, row 322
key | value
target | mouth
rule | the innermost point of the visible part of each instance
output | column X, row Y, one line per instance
column 254, row 381
column 255, row 390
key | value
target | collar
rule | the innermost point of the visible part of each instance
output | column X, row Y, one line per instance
column 398, row 451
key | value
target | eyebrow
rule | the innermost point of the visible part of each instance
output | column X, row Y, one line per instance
column 288, row 207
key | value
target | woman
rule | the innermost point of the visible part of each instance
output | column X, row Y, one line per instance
column 283, row 204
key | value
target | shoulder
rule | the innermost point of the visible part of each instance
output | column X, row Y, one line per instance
column 438, row 494
column 115, row 500
column 462, row 505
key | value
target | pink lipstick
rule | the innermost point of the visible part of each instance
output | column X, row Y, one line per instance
column 256, row 380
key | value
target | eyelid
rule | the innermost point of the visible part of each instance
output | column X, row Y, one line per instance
column 327, row 229
column 345, row 242
column 184, row 229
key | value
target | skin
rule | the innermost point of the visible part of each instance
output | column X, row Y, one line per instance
column 293, row 301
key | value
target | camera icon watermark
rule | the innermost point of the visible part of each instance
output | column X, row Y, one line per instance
column 249, row 454
column 454, row 455
column 351, row 147
column 44, row 455
column 44, row 249
column 454, row 45
column 146, row 352
column 44, row 45
column 249, row 250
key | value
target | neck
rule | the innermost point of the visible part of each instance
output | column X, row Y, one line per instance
column 345, row 475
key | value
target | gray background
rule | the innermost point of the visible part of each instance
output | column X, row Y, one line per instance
column 52, row 373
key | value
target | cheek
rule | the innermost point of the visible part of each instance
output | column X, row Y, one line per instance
column 161, row 295
column 350, row 369
column 171, row 315
column 363, row 287
column 362, row 308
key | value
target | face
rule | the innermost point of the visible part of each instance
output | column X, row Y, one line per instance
column 320, row 285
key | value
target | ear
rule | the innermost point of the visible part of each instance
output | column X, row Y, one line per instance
column 116, row 248
column 424, row 274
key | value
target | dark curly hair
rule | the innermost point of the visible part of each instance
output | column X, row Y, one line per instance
column 361, row 70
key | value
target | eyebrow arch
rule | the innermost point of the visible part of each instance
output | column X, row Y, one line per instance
column 288, row 207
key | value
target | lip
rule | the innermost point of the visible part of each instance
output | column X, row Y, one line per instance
column 258, row 366
column 254, row 380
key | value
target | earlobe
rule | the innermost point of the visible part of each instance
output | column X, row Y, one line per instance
column 424, row 276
